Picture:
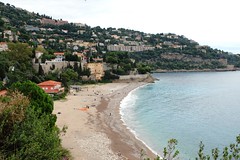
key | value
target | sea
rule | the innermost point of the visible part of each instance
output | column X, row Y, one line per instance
column 190, row 107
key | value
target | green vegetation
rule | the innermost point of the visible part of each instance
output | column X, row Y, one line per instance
column 169, row 152
column 187, row 58
column 41, row 101
column 27, row 126
column 120, row 62
column 16, row 63
column 232, row 152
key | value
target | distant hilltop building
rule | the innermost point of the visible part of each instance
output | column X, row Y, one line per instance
column 80, row 24
column 129, row 48
column 11, row 36
column 53, row 22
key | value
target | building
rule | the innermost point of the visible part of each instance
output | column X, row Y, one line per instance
column 3, row 46
column 129, row 48
column 59, row 56
column 51, row 87
column 53, row 22
column 8, row 34
column 3, row 93
column 38, row 54
column 81, row 56
column 31, row 28
column 96, row 69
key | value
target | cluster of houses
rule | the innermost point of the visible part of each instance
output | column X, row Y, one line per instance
column 97, row 67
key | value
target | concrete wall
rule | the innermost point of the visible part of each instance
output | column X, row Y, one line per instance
column 49, row 64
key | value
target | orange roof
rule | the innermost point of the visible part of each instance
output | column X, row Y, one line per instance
column 3, row 43
column 59, row 53
column 49, row 83
column 80, row 55
column 3, row 92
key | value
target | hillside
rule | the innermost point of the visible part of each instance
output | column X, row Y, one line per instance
column 165, row 51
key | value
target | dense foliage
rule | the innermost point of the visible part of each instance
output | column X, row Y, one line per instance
column 27, row 129
column 16, row 63
column 187, row 58
column 120, row 62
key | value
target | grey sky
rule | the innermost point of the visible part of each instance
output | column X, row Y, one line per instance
column 209, row 22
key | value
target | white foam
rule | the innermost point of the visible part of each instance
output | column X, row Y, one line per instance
column 127, row 102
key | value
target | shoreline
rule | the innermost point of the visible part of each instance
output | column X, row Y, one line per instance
column 99, row 132
column 195, row 70
column 131, row 130
column 123, row 140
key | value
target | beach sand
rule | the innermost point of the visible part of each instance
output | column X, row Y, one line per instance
column 94, row 127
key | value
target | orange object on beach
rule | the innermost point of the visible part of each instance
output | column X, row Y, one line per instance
column 83, row 109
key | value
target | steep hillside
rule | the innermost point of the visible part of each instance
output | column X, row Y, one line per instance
column 159, row 51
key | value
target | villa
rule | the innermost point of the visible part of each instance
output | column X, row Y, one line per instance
column 52, row 87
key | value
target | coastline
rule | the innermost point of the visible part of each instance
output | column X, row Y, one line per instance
column 196, row 70
column 99, row 132
column 131, row 130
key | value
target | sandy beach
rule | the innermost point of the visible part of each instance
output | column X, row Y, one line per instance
column 94, row 127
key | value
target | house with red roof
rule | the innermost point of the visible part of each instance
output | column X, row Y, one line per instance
column 82, row 57
column 3, row 92
column 59, row 56
column 3, row 46
column 52, row 87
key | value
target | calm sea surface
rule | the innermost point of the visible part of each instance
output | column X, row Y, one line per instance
column 190, row 107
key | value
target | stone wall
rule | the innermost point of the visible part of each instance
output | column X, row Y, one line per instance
column 135, row 78
column 50, row 66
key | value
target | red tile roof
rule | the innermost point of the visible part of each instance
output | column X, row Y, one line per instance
column 3, row 92
column 54, row 90
column 49, row 83
column 59, row 53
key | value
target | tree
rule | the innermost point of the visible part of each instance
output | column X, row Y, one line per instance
column 70, row 57
column 4, row 63
column 12, row 111
column 111, row 59
column 24, row 134
column 1, row 85
column 201, row 155
column 86, row 72
column 40, row 70
column 1, row 25
column 68, row 75
column 34, row 140
column 75, row 67
column 40, row 100
column 169, row 152
column 20, row 52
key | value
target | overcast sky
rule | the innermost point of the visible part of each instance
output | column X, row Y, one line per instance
column 210, row 22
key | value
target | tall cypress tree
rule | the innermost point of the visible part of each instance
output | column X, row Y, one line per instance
column 40, row 70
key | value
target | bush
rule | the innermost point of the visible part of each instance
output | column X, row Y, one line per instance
column 25, row 134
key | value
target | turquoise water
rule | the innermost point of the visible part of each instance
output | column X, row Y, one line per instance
column 190, row 107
